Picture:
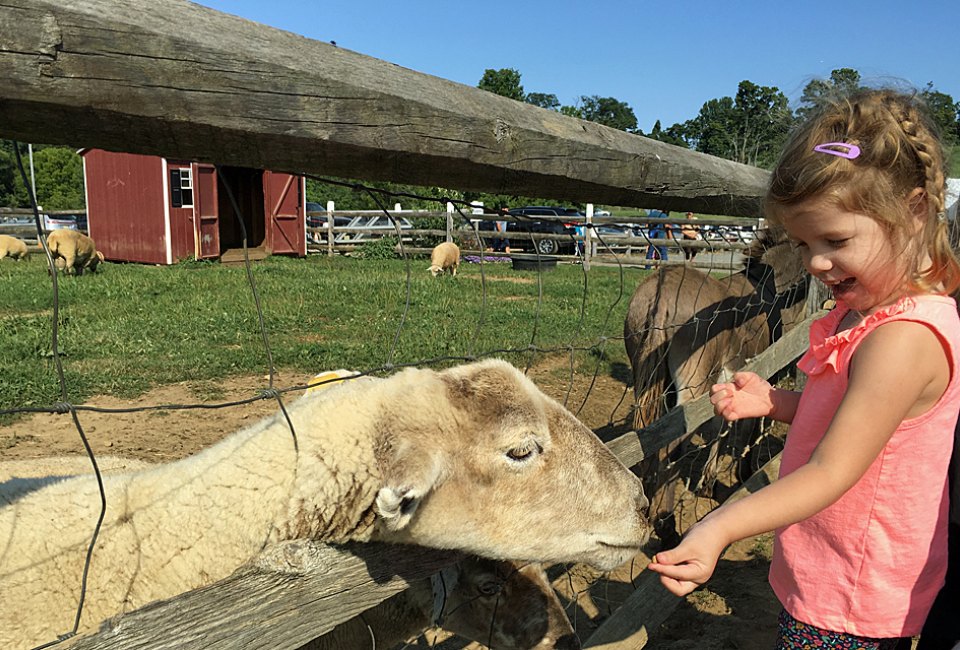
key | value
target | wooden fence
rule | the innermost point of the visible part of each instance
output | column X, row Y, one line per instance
column 181, row 81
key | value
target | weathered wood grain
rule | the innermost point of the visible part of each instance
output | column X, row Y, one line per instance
column 294, row 593
column 183, row 81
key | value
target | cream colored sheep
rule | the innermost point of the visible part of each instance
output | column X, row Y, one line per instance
column 504, row 605
column 474, row 458
column 12, row 247
column 445, row 257
column 73, row 252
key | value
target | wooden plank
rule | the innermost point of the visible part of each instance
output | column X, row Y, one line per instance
column 645, row 610
column 632, row 446
column 183, row 81
column 295, row 592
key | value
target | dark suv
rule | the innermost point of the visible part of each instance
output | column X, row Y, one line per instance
column 556, row 223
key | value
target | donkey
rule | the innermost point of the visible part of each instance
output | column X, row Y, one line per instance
column 686, row 330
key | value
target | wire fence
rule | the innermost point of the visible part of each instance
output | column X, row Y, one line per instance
column 703, row 465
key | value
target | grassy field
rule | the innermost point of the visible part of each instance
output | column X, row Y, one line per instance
column 130, row 327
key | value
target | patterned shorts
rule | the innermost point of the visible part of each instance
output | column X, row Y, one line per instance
column 794, row 635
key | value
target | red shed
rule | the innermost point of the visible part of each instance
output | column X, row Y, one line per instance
column 155, row 210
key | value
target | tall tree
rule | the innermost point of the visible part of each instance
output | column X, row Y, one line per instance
column 945, row 112
column 842, row 82
column 543, row 100
column 609, row 112
column 749, row 129
column 674, row 134
column 504, row 82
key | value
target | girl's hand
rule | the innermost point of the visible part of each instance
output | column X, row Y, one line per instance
column 747, row 396
column 691, row 563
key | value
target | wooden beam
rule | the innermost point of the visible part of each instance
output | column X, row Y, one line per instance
column 292, row 594
column 183, row 81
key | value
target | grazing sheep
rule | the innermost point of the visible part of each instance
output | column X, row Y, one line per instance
column 445, row 257
column 73, row 252
column 505, row 605
column 473, row 458
column 12, row 247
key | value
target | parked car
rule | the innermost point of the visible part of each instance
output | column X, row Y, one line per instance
column 320, row 220
column 555, row 225
column 63, row 222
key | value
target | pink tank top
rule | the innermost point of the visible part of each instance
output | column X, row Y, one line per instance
column 871, row 563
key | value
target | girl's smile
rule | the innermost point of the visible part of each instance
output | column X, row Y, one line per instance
column 851, row 253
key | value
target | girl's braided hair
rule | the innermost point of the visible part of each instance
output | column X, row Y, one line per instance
column 900, row 151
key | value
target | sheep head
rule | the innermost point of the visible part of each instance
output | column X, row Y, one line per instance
column 477, row 458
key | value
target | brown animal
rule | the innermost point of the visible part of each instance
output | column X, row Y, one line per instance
column 73, row 252
column 685, row 330
column 12, row 247
column 504, row 605
column 445, row 257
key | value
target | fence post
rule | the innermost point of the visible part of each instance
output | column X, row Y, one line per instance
column 449, row 221
column 330, row 207
column 588, row 238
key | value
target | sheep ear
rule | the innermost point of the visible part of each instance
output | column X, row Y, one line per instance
column 397, row 505
column 406, row 484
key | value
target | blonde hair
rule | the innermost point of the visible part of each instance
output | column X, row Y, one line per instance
column 900, row 151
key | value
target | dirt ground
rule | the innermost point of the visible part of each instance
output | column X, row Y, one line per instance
column 738, row 610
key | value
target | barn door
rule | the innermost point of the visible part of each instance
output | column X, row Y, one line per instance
column 206, row 221
column 283, row 207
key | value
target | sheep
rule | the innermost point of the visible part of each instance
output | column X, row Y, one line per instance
column 445, row 257
column 505, row 605
column 473, row 458
column 73, row 252
column 12, row 247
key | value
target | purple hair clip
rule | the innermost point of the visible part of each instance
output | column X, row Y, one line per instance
column 841, row 149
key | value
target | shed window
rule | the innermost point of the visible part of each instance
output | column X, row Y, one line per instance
column 181, row 188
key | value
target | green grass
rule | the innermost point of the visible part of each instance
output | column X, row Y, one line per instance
column 131, row 327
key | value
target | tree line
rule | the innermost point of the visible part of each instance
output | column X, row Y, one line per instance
column 749, row 127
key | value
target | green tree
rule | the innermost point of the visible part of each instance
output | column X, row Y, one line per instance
column 504, row 82
column 59, row 178
column 543, row 100
column 675, row 134
column 749, row 129
column 842, row 82
column 945, row 112
column 609, row 112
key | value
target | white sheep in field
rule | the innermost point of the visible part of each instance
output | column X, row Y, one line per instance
column 12, row 247
column 507, row 605
column 473, row 458
column 73, row 252
column 504, row 605
column 445, row 257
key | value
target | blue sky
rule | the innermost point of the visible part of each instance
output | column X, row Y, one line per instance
column 663, row 58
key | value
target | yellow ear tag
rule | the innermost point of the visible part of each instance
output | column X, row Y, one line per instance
column 329, row 378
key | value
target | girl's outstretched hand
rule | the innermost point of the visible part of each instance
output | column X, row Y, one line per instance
column 690, row 564
column 747, row 396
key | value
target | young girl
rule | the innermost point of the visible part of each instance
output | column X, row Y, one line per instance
column 860, row 509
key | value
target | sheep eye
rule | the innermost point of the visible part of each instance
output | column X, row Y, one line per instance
column 525, row 452
column 489, row 588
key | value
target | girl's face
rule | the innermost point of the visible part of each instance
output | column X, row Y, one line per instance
column 849, row 252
